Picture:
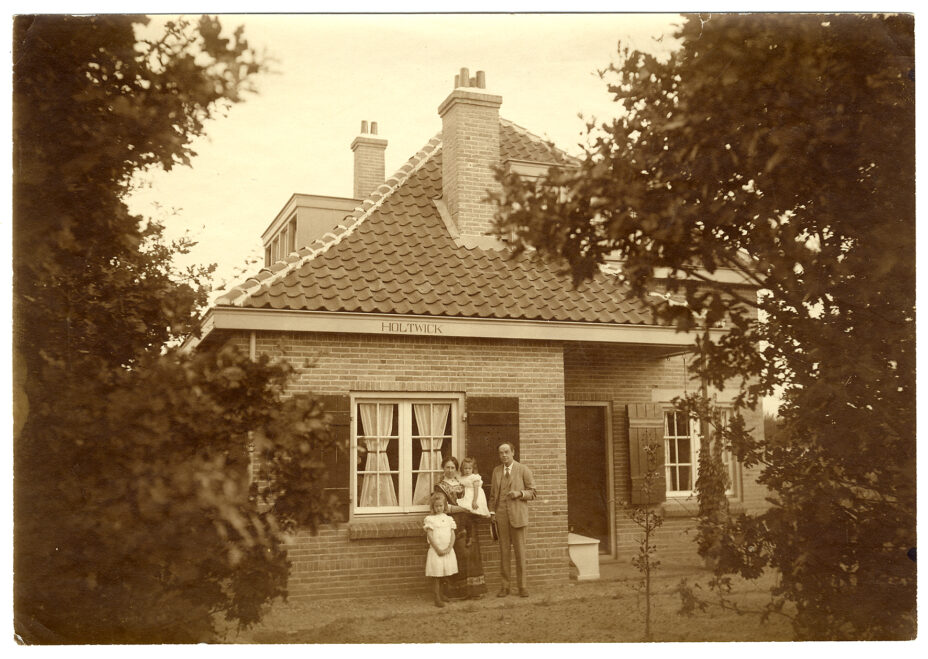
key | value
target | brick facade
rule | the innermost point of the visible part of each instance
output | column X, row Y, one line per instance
column 371, row 556
column 635, row 374
column 333, row 565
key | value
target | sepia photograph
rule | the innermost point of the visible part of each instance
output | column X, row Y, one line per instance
column 463, row 328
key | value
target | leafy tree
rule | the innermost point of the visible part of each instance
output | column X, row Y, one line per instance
column 779, row 148
column 134, row 519
column 771, row 426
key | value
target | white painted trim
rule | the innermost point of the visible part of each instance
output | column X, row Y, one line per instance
column 300, row 200
column 238, row 318
column 610, row 465
column 404, row 427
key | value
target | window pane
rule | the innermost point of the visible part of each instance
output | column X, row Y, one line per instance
column 671, row 425
column 672, row 451
column 430, row 446
column 673, row 479
column 378, row 446
column 685, row 475
column 684, row 451
column 379, row 491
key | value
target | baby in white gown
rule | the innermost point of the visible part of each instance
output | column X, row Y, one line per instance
column 474, row 499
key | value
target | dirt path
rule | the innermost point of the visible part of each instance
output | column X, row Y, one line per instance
column 593, row 612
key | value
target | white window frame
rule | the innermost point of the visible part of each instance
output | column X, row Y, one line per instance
column 291, row 235
column 728, row 459
column 696, row 443
column 693, row 437
column 406, row 477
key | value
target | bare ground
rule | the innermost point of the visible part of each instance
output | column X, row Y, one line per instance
column 606, row 611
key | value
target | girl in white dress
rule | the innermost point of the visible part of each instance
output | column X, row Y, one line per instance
column 474, row 500
column 440, row 561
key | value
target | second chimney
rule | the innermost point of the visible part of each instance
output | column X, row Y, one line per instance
column 368, row 160
column 470, row 145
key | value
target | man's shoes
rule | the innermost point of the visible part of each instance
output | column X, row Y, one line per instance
column 523, row 592
column 503, row 592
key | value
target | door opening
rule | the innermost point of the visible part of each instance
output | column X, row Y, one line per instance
column 588, row 496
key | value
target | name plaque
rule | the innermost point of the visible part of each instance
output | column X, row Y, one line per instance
column 410, row 328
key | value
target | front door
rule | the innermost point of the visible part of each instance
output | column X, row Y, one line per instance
column 587, row 479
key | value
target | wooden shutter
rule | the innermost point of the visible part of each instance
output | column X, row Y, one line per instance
column 338, row 460
column 646, row 426
column 491, row 420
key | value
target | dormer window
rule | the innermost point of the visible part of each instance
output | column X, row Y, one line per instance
column 291, row 235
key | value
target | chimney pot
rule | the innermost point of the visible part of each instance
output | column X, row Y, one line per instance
column 465, row 77
column 481, row 79
column 373, row 128
column 363, row 127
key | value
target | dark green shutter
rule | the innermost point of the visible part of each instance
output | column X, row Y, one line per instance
column 491, row 420
column 338, row 459
column 646, row 426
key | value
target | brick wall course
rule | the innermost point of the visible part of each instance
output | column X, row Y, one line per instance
column 628, row 374
column 545, row 376
column 330, row 565
column 470, row 150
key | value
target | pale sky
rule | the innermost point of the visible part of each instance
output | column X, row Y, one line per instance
column 333, row 71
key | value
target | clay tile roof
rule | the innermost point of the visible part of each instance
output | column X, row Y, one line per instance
column 394, row 255
column 519, row 144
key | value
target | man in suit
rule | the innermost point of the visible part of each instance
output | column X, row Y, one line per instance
column 510, row 490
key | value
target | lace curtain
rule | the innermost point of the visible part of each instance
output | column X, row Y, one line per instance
column 377, row 488
column 431, row 419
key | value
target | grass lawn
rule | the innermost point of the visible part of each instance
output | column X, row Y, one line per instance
column 590, row 612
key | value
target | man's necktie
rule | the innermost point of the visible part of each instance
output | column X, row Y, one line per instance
column 504, row 486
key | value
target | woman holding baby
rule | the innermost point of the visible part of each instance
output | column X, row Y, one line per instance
column 467, row 504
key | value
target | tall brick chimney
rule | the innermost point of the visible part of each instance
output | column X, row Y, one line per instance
column 368, row 160
column 470, row 150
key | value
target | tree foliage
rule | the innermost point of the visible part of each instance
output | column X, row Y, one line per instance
column 779, row 149
column 134, row 516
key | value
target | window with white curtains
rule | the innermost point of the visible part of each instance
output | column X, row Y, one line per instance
column 399, row 444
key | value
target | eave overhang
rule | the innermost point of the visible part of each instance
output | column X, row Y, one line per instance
column 274, row 320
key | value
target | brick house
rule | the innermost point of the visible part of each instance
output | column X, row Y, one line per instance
column 426, row 340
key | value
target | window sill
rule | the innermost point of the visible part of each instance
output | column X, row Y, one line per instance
column 386, row 528
column 689, row 507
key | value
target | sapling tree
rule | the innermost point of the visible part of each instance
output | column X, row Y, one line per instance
column 649, row 520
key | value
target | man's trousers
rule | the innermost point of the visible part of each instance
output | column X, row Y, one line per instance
column 509, row 535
